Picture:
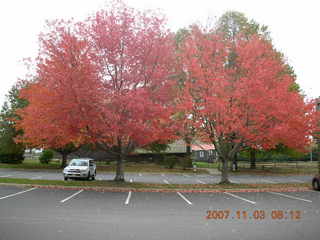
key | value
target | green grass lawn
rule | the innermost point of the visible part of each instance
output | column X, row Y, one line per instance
column 278, row 168
column 32, row 164
column 263, row 168
column 78, row 183
column 147, row 168
column 207, row 165
column 277, row 171
column 269, row 168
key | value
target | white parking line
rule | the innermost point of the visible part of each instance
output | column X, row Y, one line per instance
column 6, row 176
column 166, row 181
column 184, row 198
column 289, row 196
column 234, row 181
column 140, row 175
column 268, row 181
column 68, row 198
column 15, row 194
column 131, row 180
column 128, row 198
column 199, row 181
column 296, row 180
column 39, row 177
column 241, row 198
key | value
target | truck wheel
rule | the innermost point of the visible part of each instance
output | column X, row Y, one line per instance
column 89, row 176
column 66, row 178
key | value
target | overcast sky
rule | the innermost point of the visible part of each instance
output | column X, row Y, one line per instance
column 294, row 27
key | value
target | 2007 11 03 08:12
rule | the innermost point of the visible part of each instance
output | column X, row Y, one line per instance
column 254, row 214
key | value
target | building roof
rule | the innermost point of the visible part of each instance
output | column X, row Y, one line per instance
column 202, row 146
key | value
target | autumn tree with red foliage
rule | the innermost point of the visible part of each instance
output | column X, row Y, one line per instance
column 65, row 95
column 242, row 98
column 135, row 56
column 106, row 81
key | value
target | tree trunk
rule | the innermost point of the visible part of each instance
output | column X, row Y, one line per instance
column 64, row 160
column 252, row 158
column 188, row 159
column 318, row 164
column 119, row 170
column 188, row 147
column 224, row 171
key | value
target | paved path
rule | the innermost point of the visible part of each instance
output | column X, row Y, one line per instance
column 187, row 178
column 213, row 171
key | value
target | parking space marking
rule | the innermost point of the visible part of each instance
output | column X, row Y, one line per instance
column 15, row 194
column 296, row 180
column 289, row 196
column 128, row 198
column 268, row 181
column 199, row 181
column 140, row 175
column 184, row 198
column 166, row 181
column 6, row 176
column 234, row 181
column 241, row 198
column 130, row 180
column 39, row 177
column 73, row 195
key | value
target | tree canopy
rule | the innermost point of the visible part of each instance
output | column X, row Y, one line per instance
column 121, row 79
column 106, row 81
column 246, row 103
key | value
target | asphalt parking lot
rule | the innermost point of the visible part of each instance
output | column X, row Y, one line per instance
column 38, row 214
column 162, row 178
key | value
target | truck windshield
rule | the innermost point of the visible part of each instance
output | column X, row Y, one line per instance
column 79, row 163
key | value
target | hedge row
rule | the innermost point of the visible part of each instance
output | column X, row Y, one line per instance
column 11, row 158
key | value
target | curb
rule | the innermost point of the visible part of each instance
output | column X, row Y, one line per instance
column 115, row 189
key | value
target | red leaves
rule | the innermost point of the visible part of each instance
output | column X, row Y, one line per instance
column 66, row 94
column 103, row 80
column 112, row 79
column 241, row 89
column 135, row 57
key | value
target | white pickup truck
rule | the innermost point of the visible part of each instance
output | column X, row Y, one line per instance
column 84, row 168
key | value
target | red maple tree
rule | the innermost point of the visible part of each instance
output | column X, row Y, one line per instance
column 135, row 55
column 106, row 81
column 64, row 95
column 241, row 93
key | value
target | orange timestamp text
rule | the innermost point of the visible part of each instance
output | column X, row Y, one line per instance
column 275, row 214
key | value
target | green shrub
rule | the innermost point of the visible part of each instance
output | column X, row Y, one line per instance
column 169, row 161
column 14, row 158
column 46, row 156
column 186, row 162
